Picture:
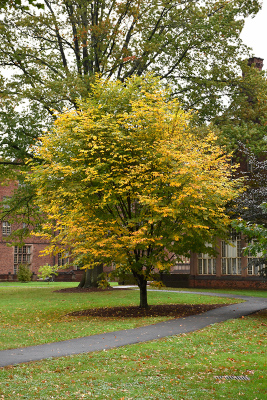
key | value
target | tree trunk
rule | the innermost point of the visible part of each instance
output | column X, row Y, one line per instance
column 90, row 277
column 143, row 293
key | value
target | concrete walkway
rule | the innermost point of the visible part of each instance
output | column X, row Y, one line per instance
column 125, row 337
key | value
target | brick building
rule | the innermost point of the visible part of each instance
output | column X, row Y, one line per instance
column 12, row 256
column 229, row 269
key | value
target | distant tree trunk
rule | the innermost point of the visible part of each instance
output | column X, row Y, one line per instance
column 90, row 277
column 143, row 295
column 142, row 284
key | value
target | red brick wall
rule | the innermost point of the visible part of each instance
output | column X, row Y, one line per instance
column 6, row 259
column 7, row 252
column 248, row 283
column 209, row 282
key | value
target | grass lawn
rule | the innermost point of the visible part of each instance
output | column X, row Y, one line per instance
column 180, row 367
column 239, row 292
column 35, row 313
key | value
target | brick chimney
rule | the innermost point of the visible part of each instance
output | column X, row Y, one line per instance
column 256, row 61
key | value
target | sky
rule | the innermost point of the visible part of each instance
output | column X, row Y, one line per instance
column 254, row 34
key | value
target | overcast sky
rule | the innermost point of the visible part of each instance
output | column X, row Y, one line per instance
column 254, row 34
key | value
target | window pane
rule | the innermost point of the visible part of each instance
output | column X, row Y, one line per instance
column 6, row 228
column 239, row 266
column 200, row 266
column 239, row 249
column 234, row 266
column 209, row 266
column 204, row 266
column 214, row 266
column 224, row 266
column 223, row 249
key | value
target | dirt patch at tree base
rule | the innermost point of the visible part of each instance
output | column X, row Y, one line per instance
column 159, row 310
column 162, row 310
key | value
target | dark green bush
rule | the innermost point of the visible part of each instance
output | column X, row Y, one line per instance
column 24, row 273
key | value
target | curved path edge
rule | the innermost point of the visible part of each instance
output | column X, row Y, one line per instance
column 111, row 340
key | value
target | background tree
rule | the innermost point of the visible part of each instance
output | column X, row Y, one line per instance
column 243, row 129
column 257, row 248
column 48, row 272
column 244, row 122
column 127, row 180
column 248, row 205
column 249, row 209
column 17, row 3
column 49, row 56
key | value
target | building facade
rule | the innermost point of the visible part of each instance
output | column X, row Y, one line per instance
column 12, row 256
column 229, row 269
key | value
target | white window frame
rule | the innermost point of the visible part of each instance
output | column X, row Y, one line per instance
column 6, row 228
column 253, row 269
column 206, row 264
column 61, row 261
column 231, row 256
column 22, row 255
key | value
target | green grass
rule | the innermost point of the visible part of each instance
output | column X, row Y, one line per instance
column 43, row 284
column 34, row 313
column 181, row 367
column 239, row 292
column 39, row 284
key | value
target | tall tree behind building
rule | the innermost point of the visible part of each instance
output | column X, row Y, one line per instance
column 244, row 122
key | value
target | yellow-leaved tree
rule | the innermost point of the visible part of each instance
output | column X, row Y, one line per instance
column 126, row 180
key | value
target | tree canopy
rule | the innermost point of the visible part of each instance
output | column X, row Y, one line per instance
column 250, row 209
column 244, row 122
column 247, row 205
column 17, row 3
column 257, row 246
column 125, row 179
column 51, row 52
column 49, row 56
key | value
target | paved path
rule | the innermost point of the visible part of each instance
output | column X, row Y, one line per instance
column 121, row 338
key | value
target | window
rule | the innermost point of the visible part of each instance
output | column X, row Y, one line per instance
column 182, row 264
column 253, row 268
column 250, row 166
column 206, row 264
column 255, row 264
column 231, row 255
column 6, row 228
column 62, row 260
column 22, row 255
column 5, row 199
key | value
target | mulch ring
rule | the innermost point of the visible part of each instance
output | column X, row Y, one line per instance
column 164, row 310
column 161, row 310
